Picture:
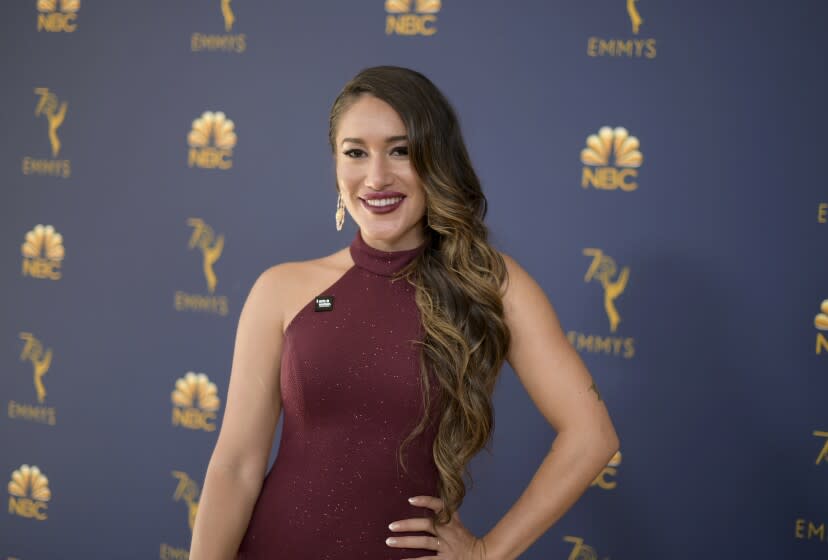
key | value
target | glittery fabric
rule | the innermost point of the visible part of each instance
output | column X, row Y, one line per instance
column 350, row 394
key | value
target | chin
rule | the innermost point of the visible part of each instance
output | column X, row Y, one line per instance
column 385, row 232
column 380, row 232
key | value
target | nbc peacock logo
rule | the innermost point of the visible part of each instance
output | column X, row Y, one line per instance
column 401, row 19
column 611, row 160
column 57, row 17
column 227, row 41
column 603, row 270
column 195, row 402
column 821, row 323
column 211, row 139
column 210, row 247
column 43, row 253
column 605, row 477
column 629, row 46
column 29, row 493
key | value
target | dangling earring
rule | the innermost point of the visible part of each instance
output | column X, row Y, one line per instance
column 340, row 212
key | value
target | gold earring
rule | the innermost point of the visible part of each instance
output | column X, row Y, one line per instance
column 340, row 212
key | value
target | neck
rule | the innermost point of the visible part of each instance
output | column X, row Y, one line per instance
column 412, row 239
column 379, row 261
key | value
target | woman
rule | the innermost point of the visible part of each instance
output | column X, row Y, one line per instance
column 417, row 314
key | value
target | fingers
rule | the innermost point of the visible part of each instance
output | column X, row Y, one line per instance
column 417, row 524
column 431, row 502
column 427, row 543
column 414, row 524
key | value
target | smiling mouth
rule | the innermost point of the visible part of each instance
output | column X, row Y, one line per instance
column 380, row 202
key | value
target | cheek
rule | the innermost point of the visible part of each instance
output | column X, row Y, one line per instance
column 420, row 190
column 422, row 207
column 411, row 178
column 419, row 202
column 346, row 174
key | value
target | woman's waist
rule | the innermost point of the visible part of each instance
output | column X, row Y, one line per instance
column 359, row 463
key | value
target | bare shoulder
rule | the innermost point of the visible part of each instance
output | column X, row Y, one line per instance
column 290, row 274
column 512, row 267
column 526, row 305
column 518, row 282
column 291, row 284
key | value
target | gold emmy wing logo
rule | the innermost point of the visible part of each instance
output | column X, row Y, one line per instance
column 52, row 19
column 227, row 42
column 603, row 269
column 33, row 352
column 211, row 141
column 55, row 113
column 400, row 19
column 228, row 15
column 29, row 492
column 821, row 323
column 615, row 146
column 611, row 470
column 41, row 359
column 187, row 491
column 630, row 47
column 581, row 551
column 43, row 253
column 613, row 281
column 196, row 402
column 635, row 17
column 823, row 454
column 210, row 246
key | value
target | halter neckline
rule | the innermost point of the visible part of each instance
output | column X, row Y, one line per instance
column 383, row 263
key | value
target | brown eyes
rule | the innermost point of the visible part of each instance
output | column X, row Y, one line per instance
column 358, row 153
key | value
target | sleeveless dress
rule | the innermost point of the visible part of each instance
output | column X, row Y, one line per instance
column 350, row 394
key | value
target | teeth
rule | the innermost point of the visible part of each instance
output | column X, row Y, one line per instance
column 383, row 201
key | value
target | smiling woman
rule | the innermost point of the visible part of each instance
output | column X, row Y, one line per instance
column 380, row 187
column 385, row 356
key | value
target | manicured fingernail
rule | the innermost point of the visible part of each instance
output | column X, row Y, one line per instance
column 390, row 540
column 393, row 526
column 412, row 500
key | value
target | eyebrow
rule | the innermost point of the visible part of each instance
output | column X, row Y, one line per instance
column 387, row 140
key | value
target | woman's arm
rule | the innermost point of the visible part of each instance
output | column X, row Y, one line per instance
column 237, row 466
column 562, row 388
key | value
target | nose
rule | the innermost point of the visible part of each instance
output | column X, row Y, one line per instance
column 378, row 174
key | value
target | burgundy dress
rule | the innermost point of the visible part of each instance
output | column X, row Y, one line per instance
column 350, row 394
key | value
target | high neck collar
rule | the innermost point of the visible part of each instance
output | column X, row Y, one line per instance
column 384, row 263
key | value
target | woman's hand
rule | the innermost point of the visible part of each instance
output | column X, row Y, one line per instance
column 452, row 541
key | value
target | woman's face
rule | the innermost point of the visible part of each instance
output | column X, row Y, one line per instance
column 372, row 164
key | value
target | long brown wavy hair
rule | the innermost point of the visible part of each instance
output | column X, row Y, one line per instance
column 457, row 278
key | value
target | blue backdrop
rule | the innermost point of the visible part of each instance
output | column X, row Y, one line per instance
column 654, row 165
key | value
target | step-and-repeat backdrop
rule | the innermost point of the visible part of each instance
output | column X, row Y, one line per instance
column 656, row 166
